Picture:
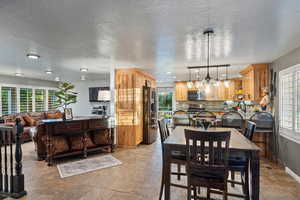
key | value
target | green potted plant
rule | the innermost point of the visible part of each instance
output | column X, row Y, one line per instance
column 65, row 96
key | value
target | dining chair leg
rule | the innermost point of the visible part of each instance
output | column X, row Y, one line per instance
column 162, row 184
column 208, row 193
column 247, row 193
column 232, row 175
column 195, row 192
column 199, row 190
column 179, row 171
column 189, row 192
column 225, row 196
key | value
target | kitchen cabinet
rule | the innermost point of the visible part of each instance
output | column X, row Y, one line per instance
column 255, row 79
column 129, row 105
column 181, row 91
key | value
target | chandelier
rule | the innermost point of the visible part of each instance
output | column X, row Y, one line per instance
column 207, row 80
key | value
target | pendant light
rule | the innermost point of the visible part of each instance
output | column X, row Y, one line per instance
column 208, row 32
column 217, row 83
column 226, row 82
column 189, row 83
column 198, row 83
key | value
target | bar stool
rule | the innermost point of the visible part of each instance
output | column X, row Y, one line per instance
column 232, row 120
column 264, row 124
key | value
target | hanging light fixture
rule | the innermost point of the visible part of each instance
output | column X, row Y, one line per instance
column 208, row 32
column 189, row 83
column 226, row 82
column 198, row 83
column 217, row 81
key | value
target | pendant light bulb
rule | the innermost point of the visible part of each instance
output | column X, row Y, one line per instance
column 226, row 83
column 189, row 84
column 207, row 88
column 217, row 83
column 198, row 84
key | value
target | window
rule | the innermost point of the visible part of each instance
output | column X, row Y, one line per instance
column 165, row 101
column 40, row 100
column 289, row 102
column 25, row 100
column 9, row 100
column 52, row 101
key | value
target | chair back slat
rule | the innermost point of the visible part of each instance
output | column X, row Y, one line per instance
column 207, row 150
column 249, row 130
column 162, row 130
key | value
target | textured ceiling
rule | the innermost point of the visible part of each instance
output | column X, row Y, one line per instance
column 157, row 36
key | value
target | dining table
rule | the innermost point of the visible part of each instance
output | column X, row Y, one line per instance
column 238, row 144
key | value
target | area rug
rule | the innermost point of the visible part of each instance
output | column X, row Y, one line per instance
column 87, row 165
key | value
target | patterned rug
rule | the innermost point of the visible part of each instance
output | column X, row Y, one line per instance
column 87, row 165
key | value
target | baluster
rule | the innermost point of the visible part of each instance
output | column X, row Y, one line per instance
column 11, row 162
column 5, row 162
column 18, row 187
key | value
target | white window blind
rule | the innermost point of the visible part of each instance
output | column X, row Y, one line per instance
column 25, row 100
column 9, row 100
column 52, row 101
column 40, row 99
column 289, row 102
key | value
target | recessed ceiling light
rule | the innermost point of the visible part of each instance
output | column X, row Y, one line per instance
column 169, row 72
column 57, row 79
column 49, row 72
column 33, row 56
column 84, row 69
column 19, row 74
column 82, row 78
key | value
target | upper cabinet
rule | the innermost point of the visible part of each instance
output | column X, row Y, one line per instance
column 255, row 79
column 181, row 91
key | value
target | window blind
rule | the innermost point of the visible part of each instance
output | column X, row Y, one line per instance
column 286, row 104
column 25, row 100
column 289, row 102
column 9, row 100
column 52, row 101
column 40, row 100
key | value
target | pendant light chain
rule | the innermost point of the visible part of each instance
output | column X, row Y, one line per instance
column 208, row 53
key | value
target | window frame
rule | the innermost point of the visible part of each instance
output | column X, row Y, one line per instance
column 18, row 87
column 291, row 134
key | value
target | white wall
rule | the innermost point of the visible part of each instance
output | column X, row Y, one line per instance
column 4, row 79
column 83, row 106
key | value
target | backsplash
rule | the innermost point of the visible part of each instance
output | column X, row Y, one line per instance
column 208, row 105
column 213, row 106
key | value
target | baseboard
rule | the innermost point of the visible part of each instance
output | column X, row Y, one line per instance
column 292, row 174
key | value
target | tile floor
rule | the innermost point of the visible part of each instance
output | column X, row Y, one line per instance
column 137, row 179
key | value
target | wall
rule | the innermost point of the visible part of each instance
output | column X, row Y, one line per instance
column 83, row 106
column 26, row 81
column 288, row 150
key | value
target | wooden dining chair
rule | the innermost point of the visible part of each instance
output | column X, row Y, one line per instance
column 207, row 162
column 178, row 158
column 241, row 164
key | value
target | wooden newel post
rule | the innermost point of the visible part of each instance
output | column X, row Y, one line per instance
column 18, row 180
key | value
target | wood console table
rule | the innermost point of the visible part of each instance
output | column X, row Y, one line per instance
column 77, row 126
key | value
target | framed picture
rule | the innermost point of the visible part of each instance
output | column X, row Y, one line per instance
column 68, row 113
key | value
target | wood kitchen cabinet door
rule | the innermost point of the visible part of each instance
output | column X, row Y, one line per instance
column 255, row 78
column 181, row 91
